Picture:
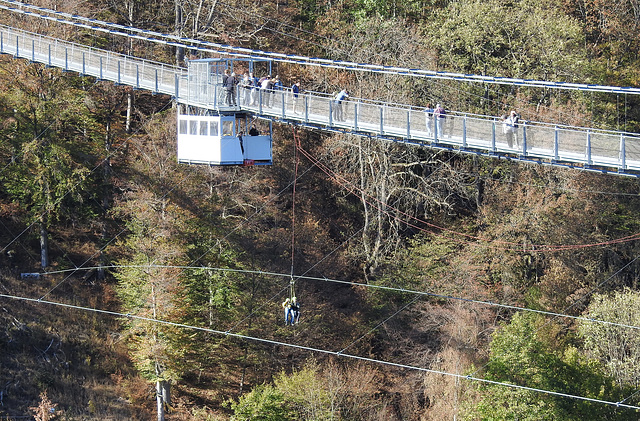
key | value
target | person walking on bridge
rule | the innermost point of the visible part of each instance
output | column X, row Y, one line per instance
column 338, row 114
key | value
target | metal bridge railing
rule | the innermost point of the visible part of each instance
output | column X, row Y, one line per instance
column 584, row 147
column 118, row 68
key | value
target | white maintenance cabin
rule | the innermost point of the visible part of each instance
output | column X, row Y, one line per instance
column 220, row 140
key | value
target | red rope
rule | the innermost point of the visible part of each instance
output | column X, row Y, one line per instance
column 393, row 213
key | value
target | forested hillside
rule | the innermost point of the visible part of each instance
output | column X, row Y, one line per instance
column 433, row 285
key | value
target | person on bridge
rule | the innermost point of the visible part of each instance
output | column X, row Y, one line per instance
column 440, row 115
column 428, row 119
column 512, row 124
column 229, row 82
column 245, row 89
column 295, row 92
column 507, row 129
column 338, row 114
column 266, row 85
column 254, row 89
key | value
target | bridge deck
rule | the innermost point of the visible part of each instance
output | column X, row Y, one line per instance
column 593, row 149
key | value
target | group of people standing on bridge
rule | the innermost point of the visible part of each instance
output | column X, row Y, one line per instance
column 438, row 124
column 435, row 119
column 252, row 90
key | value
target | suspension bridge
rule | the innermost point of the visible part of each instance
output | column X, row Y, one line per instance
column 199, row 86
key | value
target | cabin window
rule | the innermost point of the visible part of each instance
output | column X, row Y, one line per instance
column 227, row 128
column 203, row 128
column 213, row 128
column 193, row 127
column 183, row 127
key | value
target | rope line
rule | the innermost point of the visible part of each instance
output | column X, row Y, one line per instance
column 292, row 292
column 393, row 213
column 381, row 287
column 323, row 351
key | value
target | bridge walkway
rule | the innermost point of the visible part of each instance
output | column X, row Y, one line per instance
column 579, row 147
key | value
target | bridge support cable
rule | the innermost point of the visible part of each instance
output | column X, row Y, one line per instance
column 192, row 43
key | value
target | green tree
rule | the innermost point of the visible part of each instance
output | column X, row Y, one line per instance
column 51, row 146
column 264, row 403
column 299, row 395
column 521, row 38
column 148, row 277
column 616, row 346
column 148, row 291
column 532, row 352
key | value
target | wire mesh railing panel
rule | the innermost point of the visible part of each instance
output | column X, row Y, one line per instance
column 200, row 88
column 572, row 144
column 540, row 140
column 369, row 117
column 395, row 121
column 605, row 148
column 480, row 133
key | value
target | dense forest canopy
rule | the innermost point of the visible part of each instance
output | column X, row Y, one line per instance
column 425, row 278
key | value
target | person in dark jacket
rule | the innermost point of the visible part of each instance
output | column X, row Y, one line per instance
column 229, row 82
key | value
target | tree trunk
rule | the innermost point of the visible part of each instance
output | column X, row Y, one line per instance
column 178, row 31
column 159, row 400
column 129, row 107
column 44, row 243
column 106, row 199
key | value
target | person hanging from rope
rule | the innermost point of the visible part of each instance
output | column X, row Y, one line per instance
column 295, row 311
column 286, row 305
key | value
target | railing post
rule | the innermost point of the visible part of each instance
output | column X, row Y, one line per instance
column 17, row 42
column 177, row 83
column 259, row 101
column 556, row 134
column 381, row 120
column 1, row 42
column 493, row 137
column 330, row 112
column 356, row 111
column 284, row 108
column 101, row 78
column 623, row 154
column 156, row 84
column 118, row 81
column 66, row 59
column 588, row 147
column 408, row 124
column 524, row 140
column 306, row 108
column 464, row 132
column 50, row 55
column 137, row 76
column 33, row 50
column 83, row 65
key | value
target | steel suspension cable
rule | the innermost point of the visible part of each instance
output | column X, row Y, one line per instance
column 186, row 42
column 619, row 404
